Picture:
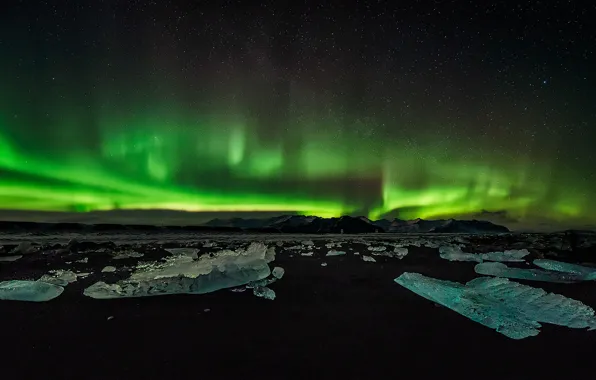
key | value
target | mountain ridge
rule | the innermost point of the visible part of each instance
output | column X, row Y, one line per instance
column 349, row 224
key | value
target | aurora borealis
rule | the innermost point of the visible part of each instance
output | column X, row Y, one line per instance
column 427, row 111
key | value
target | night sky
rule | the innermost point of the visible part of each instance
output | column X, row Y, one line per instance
column 377, row 108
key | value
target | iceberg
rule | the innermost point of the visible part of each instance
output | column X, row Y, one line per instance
column 454, row 253
column 559, row 266
column 128, row 255
column 59, row 277
column 183, row 275
column 32, row 291
column 191, row 252
column 510, row 308
column 10, row 258
column 264, row 292
column 400, row 252
column 278, row 272
column 502, row 270
column 23, row 248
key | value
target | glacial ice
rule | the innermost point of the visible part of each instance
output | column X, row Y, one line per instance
column 191, row 252
column 278, row 272
column 10, row 258
column 264, row 292
column 59, row 277
column 454, row 253
column 128, row 255
column 23, row 248
column 32, row 291
column 559, row 266
column 510, row 308
column 183, row 275
column 502, row 270
column 400, row 252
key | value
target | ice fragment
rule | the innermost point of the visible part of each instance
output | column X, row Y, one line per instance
column 588, row 272
column 264, row 292
column 10, row 258
column 454, row 253
column 59, row 277
column 183, row 275
column 32, row 291
column 278, row 272
column 510, row 308
column 190, row 252
column 502, row 270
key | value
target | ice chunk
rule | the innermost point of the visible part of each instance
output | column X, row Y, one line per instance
column 128, row 255
column 190, row 252
column 33, row 291
column 109, row 269
column 510, row 308
column 369, row 259
column 264, row 292
column 502, row 270
column 84, row 260
column 400, row 252
column 278, row 272
column 559, row 266
column 335, row 253
column 377, row 249
column 10, row 258
column 454, row 253
column 24, row 248
column 323, row 264
column 183, row 275
column 307, row 254
column 59, row 277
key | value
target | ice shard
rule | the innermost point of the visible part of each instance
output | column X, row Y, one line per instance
column 278, row 272
column 559, row 266
column 10, row 258
column 510, row 308
column 59, row 277
column 502, row 270
column 264, row 292
column 183, row 275
column 32, row 291
column 191, row 252
column 454, row 253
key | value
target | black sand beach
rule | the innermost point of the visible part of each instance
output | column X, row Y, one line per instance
column 348, row 319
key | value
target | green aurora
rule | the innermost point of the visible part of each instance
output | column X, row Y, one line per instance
column 222, row 166
column 109, row 106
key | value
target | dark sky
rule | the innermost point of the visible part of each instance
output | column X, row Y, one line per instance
column 403, row 108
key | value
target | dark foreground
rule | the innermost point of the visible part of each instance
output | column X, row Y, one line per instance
column 346, row 320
